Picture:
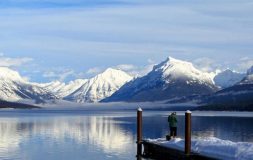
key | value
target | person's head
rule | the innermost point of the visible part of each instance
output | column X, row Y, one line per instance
column 174, row 113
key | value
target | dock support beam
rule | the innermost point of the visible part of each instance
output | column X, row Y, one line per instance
column 139, row 132
column 187, row 132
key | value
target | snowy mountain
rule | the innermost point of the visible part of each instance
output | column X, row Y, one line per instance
column 169, row 79
column 101, row 86
column 14, row 88
column 61, row 89
column 228, row 78
column 249, row 77
column 236, row 97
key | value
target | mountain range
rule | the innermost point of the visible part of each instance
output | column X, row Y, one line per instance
column 171, row 79
column 14, row 87
column 236, row 97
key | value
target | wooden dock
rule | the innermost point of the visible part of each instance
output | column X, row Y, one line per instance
column 156, row 151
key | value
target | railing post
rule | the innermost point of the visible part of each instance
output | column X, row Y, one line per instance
column 139, row 132
column 187, row 132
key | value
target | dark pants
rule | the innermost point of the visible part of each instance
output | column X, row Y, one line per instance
column 173, row 131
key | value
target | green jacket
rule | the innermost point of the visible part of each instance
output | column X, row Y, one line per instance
column 172, row 121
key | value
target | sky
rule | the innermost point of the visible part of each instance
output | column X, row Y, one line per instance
column 63, row 40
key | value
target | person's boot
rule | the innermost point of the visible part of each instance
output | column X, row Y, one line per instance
column 168, row 137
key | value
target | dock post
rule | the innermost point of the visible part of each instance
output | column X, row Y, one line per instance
column 187, row 132
column 139, row 132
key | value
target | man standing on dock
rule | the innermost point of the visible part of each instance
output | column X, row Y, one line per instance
column 172, row 119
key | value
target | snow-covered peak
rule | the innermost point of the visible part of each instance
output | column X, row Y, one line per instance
column 173, row 68
column 171, row 78
column 8, row 74
column 101, row 86
column 228, row 78
column 170, row 62
column 109, row 72
column 115, row 76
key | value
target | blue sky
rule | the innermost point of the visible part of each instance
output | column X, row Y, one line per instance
column 66, row 39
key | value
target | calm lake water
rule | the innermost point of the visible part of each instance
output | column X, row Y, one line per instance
column 66, row 134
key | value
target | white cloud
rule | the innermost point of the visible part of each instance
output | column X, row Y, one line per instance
column 126, row 67
column 94, row 70
column 206, row 64
column 144, row 70
column 60, row 75
column 119, row 33
column 49, row 74
column 133, row 29
column 13, row 62
column 245, row 63
column 210, row 65
column 135, row 70
column 151, row 61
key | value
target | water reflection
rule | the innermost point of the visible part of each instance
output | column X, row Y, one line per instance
column 61, row 137
column 227, row 128
column 237, row 129
column 87, row 136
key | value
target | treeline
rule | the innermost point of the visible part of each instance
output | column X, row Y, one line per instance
column 5, row 104
column 226, row 107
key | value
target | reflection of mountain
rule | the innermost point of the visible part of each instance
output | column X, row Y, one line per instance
column 93, row 132
column 9, row 138
column 107, row 133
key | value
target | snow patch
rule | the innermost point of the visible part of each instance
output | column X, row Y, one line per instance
column 213, row 147
column 188, row 111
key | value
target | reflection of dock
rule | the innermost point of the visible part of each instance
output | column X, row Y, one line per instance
column 158, row 151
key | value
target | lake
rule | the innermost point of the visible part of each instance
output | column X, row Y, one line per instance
column 81, row 134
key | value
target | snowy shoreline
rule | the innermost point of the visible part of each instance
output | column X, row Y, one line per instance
column 213, row 147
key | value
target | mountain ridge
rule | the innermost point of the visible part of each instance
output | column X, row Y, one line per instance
column 167, row 80
column 170, row 79
column 14, row 87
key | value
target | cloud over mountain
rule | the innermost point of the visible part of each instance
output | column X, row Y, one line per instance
column 13, row 62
